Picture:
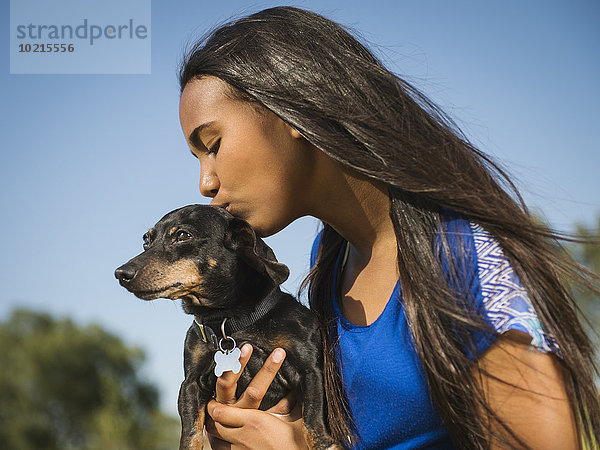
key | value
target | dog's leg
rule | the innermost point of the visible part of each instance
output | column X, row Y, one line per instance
column 192, row 413
column 314, row 412
column 197, row 441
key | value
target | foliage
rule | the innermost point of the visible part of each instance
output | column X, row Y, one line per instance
column 587, row 253
column 68, row 387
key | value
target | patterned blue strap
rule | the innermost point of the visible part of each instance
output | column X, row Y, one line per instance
column 506, row 303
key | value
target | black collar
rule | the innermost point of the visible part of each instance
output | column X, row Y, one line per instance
column 205, row 326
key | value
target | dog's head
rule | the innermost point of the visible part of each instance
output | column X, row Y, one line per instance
column 203, row 255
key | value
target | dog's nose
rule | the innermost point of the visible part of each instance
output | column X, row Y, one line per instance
column 125, row 273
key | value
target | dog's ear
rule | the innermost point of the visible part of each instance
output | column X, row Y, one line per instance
column 240, row 236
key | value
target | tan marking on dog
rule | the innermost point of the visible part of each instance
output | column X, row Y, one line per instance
column 158, row 274
column 194, row 299
column 311, row 440
column 212, row 262
column 283, row 341
column 197, row 354
column 309, row 437
column 183, row 271
column 172, row 230
column 197, row 441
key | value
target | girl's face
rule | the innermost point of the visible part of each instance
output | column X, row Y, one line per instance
column 251, row 162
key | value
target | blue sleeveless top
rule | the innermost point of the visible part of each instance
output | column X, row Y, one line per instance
column 382, row 374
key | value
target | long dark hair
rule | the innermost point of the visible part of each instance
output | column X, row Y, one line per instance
column 319, row 79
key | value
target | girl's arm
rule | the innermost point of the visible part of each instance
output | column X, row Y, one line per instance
column 536, row 408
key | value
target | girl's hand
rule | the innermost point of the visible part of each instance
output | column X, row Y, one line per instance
column 237, row 423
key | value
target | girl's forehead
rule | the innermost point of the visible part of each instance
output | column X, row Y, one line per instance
column 211, row 101
column 202, row 101
column 208, row 91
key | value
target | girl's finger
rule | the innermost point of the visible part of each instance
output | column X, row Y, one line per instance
column 218, row 444
column 285, row 405
column 257, row 388
column 227, row 383
column 224, row 416
column 216, row 440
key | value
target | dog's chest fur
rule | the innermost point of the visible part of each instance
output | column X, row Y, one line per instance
column 289, row 325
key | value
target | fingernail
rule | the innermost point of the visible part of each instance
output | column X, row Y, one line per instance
column 278, row 355
column 245, row 350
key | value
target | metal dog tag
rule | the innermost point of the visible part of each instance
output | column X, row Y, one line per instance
column 227, row 359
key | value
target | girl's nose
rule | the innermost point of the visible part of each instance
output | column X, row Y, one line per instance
column 209, row 182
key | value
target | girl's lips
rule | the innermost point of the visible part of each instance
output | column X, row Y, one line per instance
column 226, row 207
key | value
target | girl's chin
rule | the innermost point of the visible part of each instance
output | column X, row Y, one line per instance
column 264, row 230
column 267, row 225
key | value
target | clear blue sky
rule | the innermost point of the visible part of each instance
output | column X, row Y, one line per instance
column 89, row 162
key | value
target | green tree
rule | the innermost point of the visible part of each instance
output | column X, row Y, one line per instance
column 588, row 254
column 63, row 386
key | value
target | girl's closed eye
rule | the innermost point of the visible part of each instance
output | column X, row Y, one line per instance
column 215, row 148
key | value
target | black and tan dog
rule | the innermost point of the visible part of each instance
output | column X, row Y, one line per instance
column 229, row 280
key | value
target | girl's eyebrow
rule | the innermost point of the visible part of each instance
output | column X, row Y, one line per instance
column 194, row 137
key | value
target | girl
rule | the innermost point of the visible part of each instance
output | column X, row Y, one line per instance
column 446, row 320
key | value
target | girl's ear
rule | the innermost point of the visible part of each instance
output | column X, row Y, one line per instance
column 241, row 238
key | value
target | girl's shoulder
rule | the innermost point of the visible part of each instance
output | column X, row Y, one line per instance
column 493, row 283
column 475, row 263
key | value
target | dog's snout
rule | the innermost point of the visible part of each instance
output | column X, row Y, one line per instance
column 125, row 273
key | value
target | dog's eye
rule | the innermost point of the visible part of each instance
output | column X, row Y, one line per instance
column 182, row 236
